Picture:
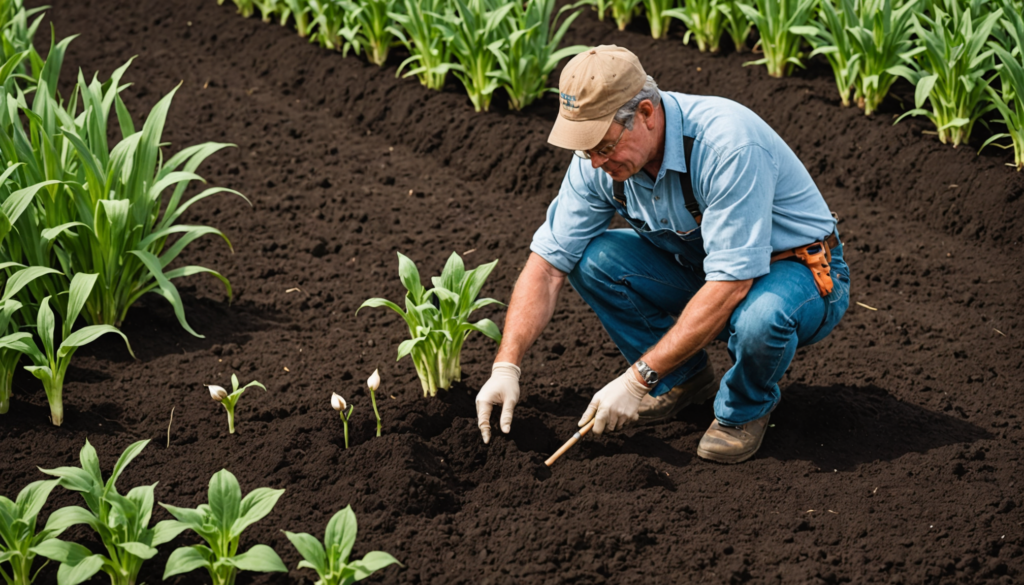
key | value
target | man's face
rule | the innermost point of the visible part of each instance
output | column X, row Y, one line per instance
column 629, row 154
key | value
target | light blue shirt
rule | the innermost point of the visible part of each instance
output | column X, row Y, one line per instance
column 755, row 195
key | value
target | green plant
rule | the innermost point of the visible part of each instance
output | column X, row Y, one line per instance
column 438, row 319
column 245, row 7
column 882, row 36
column 531, row 52
column 369, row 28
column 829, row 35
column 122, row 522
column 328, row 18
column 220, row 522
column 51, row 364
column 950, row 72
column 16, row 36
column 656, row 17
column 18, row 531
column 339, row 404
column 299, row 11
column 418, row 29
column 736, row 23
column 623, row 11
column 330, row 558
column 372, row 383
column 1009, row 101
column 775, row 21
column 471, row 31
column 600, row 6
column 704, row 21
column 228, row 401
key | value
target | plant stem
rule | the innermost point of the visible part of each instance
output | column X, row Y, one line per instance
column 373, row 399
column 231, row 418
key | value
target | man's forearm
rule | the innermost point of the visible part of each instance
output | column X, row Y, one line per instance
column 707, row 313
column 530, row 310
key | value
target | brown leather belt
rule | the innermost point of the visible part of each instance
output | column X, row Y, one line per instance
column 816, row 256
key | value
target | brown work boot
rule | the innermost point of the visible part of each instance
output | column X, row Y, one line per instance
column 732, row 444
column 694, row 391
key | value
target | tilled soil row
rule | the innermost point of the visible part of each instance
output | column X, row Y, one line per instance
column 894, row 454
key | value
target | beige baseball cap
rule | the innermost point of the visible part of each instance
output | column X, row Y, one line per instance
column 592, row 87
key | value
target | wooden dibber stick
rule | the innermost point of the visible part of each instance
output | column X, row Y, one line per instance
column 572, row 441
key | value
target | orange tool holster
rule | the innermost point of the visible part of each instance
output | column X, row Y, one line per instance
column 816, row 256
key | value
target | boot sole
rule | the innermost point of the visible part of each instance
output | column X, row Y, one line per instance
column 702, row 396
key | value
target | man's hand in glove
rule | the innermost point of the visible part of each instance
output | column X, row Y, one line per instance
column 502, row 388
column 616, row 404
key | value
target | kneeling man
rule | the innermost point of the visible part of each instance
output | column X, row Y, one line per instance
column 730, row 240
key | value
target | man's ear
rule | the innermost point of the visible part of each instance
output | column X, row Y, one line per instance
column 646, row 109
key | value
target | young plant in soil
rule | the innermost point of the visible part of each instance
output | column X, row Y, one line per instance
column 470, row 32
column 736, row 23
column 531, row 52
column 704, row 21
column 656, row 17
column 51, row 364
column 418, row 30
column 299, row 11
column 122, row 522
column 372, row 383
column 438, row 319
column 883, row 37
column 328, row 18
column 330, row 558
column 775, row 21
column 950, row 72
column 1010, row 99
column 339, row 404
column 369, row 28
column 220, row 523
column 623, row 11
column 18, row 531
column 829, row 35
column 228, row 401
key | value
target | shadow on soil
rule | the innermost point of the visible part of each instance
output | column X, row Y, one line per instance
column 840, row 427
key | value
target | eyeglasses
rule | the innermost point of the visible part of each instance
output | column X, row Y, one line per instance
column 604, row 152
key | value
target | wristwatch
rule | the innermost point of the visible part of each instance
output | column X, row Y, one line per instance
column 650, row 376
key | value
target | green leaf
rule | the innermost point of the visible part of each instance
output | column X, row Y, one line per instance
column 81, row 287
column 188, row 559
column 32, row 498
column 410, row 278
column 167, row 290
column 371, row 563
column 260, row 558
column 64, row 518
column 924, row 89
column 167, row 530
column 70, row 553
column 225, row 497
column 138, row 549
column 22, row 277
column 311, row 550
column 87, row 335
column 69, row 574
column 255, row 506
column 341, row 532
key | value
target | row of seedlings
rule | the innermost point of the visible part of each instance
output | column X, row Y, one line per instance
column 485, row 44
column 121, row 523
column 85, row 228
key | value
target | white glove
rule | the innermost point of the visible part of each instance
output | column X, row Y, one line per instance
column 616, row 404
column 502, row 388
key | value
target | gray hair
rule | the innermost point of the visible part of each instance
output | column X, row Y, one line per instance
column 627, row 112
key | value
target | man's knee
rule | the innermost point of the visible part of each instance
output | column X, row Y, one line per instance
column 760, row 326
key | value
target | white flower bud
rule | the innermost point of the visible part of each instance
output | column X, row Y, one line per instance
column 374, row 381
column 337, row 402
column 218, row 393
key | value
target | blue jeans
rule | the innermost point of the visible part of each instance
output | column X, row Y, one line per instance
column 639, row 290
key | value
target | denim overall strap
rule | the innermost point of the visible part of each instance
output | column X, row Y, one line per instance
column 689, row 200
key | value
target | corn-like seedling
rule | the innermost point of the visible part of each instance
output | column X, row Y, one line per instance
column 882, row 36
column 830, row 36
column 299, row 11
column 704, row 22
column 339, row 404
column 228, row 401
column 221, row 523
column 328, row 18
column 1010, row 99
column 775, row 21
column 656, row 17
column 369, row 28
column 269, row 8
column 51, row 364
column 623, row 11
column 600, row 6
column 471, row 32
column 121, row 522
column 950, row 72
column 531, row 52
column 245, row 7
column 16, row 33
column 736, row 23
column 438, row 319
column 418, row 29
column 330, row 558
column 18, row 531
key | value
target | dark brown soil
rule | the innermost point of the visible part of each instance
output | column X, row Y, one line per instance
column 895, row 456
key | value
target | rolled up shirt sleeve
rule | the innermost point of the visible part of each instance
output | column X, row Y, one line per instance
column 579, row 213
column 737, row 224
